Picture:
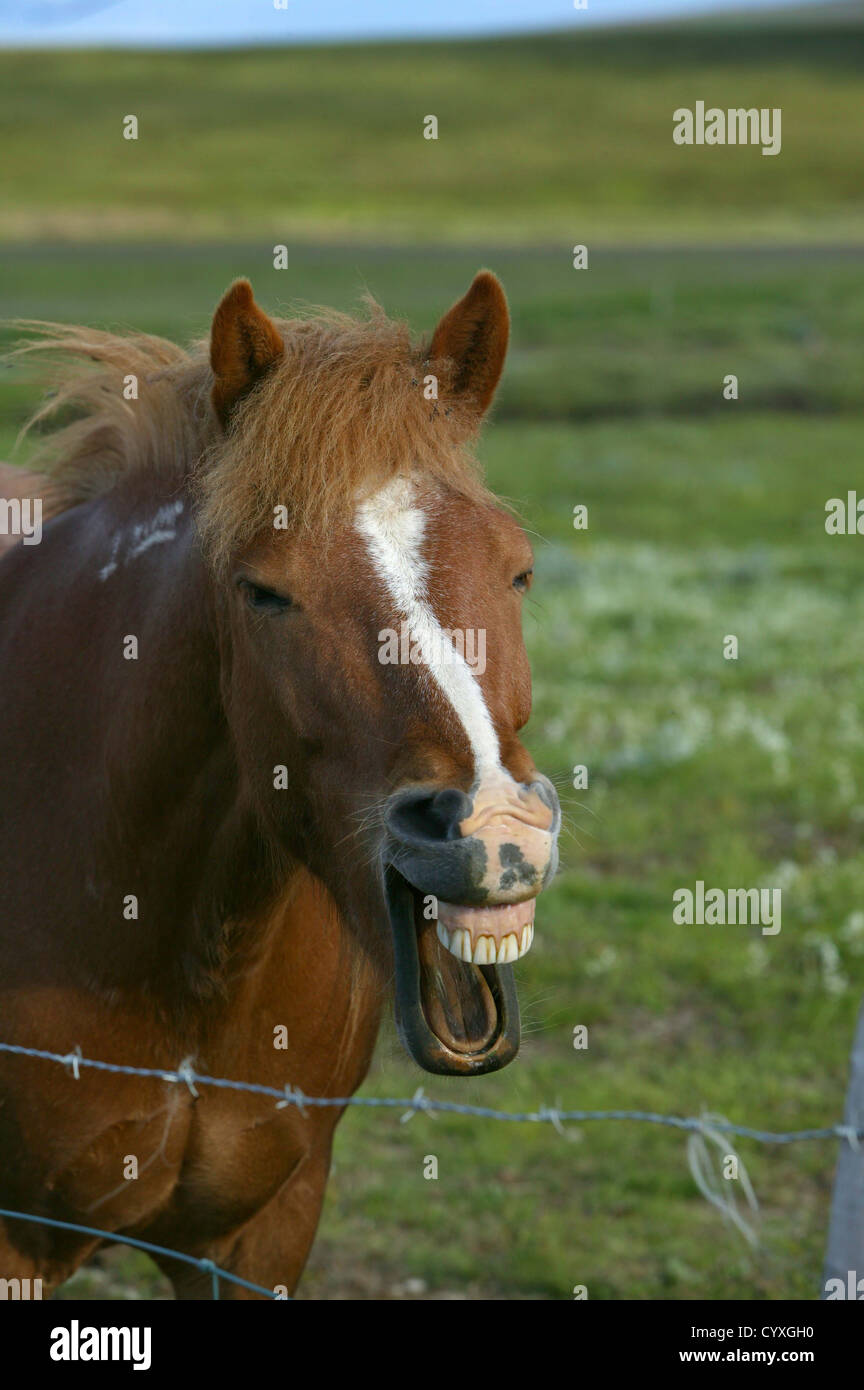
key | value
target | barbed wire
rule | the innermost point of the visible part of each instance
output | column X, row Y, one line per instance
column 702, row 1130
column 206, row 1266
column 185, row 1074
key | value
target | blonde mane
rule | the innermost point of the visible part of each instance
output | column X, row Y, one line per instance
column 343, row 410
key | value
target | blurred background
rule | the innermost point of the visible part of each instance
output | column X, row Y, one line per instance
column 261, row 126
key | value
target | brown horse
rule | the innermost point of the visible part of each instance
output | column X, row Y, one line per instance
column 262, row 682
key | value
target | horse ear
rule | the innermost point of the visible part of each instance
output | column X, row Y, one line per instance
column 473, row 335
column 244, row 344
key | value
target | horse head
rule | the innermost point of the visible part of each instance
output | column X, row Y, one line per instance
column 374, row 671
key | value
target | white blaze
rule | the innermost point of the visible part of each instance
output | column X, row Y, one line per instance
column 393, row 528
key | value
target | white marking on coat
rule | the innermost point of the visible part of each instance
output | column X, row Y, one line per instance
column 393, row 528
column 112, row 563
column 142, row 535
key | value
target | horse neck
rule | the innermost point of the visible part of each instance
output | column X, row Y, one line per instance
column 175, row 842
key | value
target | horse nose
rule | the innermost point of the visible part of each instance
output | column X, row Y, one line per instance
column 497, row 845
column 429, row 818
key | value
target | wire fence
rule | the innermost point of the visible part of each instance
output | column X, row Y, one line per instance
column 702, row 1130
column 206, row 1266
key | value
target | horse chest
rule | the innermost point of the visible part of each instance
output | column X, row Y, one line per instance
column 239, row 1154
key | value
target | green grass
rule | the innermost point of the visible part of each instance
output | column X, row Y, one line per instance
column 638, row 333
column 561, row 139
column 705, row 518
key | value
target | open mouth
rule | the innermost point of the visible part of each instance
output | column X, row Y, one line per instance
column 456, row 1005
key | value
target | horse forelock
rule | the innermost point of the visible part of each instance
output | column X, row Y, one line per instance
column 350, row 404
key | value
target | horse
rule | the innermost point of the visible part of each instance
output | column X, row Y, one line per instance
column 237, row 813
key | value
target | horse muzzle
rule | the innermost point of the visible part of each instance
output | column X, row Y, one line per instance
column 462, row 873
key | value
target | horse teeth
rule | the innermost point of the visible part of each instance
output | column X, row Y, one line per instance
column 508, row 950
column 485, row 951
column 460, row 944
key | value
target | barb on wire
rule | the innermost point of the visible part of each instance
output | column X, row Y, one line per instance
column 73, row 1060
column 186, row 1073
column 418, row 1101
column 292, row 1095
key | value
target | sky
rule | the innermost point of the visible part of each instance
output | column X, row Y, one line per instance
column 51, row 22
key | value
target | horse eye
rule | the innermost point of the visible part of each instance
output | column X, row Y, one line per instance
column 263, row 600
column 523, row 581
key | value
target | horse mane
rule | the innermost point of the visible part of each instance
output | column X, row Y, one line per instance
column 342, row 411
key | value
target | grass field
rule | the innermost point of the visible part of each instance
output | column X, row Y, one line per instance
column 706, row 517
column 561, row 139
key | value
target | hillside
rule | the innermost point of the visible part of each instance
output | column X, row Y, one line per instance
column 547, row 140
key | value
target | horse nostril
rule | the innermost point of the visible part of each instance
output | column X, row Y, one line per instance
column 426, row 817
column 448, row 809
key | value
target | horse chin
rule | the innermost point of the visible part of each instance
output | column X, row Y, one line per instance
column 454, row 1018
